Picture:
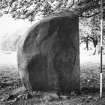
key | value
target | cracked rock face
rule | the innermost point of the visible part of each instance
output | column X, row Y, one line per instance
column 48, row 55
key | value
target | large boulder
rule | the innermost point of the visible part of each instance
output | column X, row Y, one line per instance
column 48, row 54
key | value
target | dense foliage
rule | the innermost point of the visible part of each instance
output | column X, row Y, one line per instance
column 29, row 8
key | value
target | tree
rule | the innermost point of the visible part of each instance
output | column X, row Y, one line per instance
column 85, row 31
column 83, row 8
column 95, row 32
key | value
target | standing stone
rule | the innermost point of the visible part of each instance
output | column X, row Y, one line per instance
column 48, row 54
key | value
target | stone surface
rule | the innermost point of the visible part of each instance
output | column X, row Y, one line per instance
column 48, row 54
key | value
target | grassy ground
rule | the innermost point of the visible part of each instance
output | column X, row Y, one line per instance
column 90, row 67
